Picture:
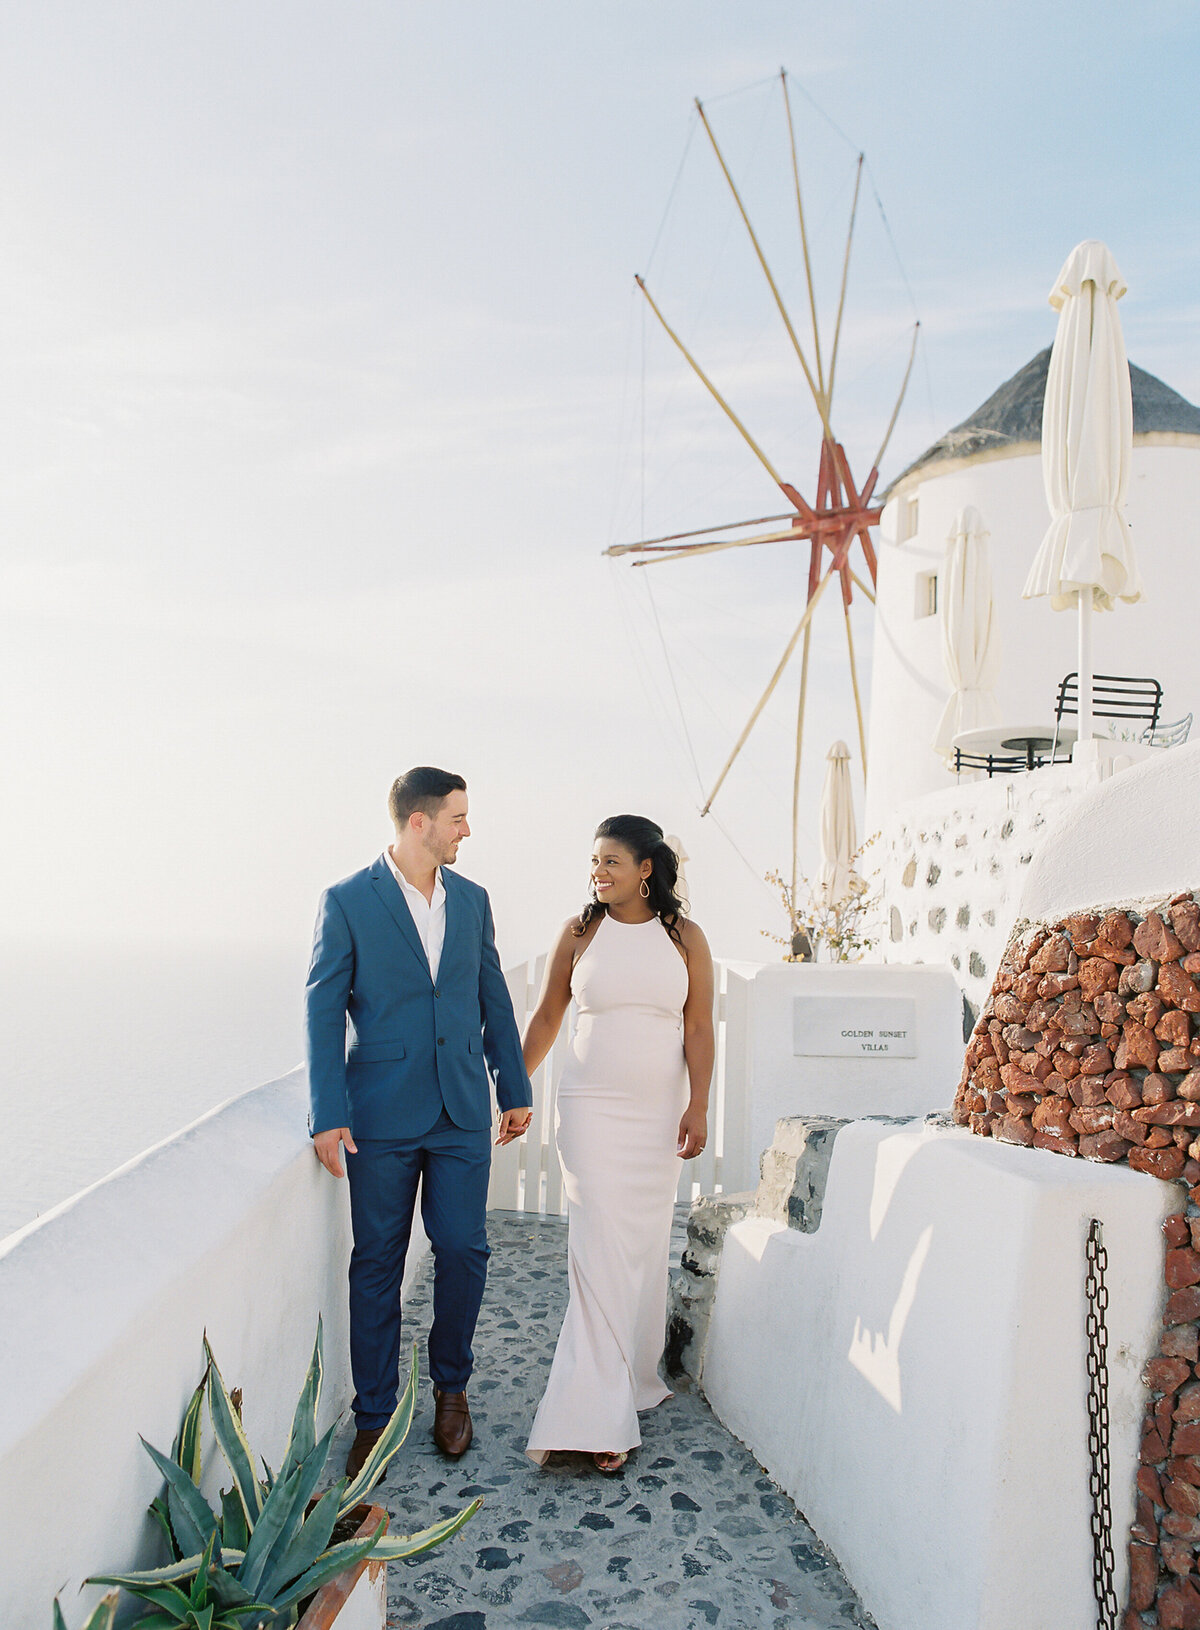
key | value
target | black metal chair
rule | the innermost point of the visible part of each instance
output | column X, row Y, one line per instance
column 1114, row 696
column 996, row 763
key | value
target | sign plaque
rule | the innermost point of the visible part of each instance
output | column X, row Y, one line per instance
column 854, row 1027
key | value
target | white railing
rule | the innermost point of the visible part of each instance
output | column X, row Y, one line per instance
column 526, row 1175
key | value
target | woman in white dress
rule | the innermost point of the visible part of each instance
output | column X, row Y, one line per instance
column 632, row 1104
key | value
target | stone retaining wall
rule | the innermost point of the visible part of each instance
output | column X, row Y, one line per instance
column 1088, row 1046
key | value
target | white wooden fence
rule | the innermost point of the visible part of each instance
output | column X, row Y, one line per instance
column 526, row 1175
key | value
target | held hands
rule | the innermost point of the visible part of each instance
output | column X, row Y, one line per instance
column 693, row 1132
column 326, row 1146
column 514, row 1123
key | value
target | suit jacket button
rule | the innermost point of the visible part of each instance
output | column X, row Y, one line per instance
column 437, row 993
column 441, row 1041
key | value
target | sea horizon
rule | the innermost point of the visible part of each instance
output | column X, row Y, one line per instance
column 108, row 1049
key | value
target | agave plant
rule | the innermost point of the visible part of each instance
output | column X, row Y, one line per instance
column 199, row 1607
column 101, row 1617
column 271, row 1544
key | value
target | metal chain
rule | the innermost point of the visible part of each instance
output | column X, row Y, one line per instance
column 1097, row 1369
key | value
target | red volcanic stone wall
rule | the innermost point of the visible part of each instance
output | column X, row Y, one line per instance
column 1088, row 1047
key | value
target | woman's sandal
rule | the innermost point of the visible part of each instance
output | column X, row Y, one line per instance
column 610, row 1463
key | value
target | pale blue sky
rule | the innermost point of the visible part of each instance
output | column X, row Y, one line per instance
column 322, row 393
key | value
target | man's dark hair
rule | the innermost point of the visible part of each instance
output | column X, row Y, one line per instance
column 422, row 788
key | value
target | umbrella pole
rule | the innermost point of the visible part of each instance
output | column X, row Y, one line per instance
column 1086, row 597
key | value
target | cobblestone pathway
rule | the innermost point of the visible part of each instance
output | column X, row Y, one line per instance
column 692, row 1535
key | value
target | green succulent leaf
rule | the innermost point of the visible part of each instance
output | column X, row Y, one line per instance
column 303, row 1434
column 185, row 1568
column 186, row 1452
column 200, row 1584
column 324, row 1569
column 390, row 1439
column 168, row 1599
column 307, row 1545
column 158, row 1510
column 225, row 1589
column 392, row 1547
column 100, row 1618
column 191, row 1519
column 233, row 1520
column 313, row 1465
column 197, row 1620
column 231, row 1440
column 134, row 1582
column 281, row 1515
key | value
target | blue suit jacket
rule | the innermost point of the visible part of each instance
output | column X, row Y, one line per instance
column 414, row 1047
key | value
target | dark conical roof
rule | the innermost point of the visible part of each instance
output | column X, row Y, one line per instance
column 1012, row 416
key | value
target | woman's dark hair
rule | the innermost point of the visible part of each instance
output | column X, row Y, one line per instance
column 644, row 841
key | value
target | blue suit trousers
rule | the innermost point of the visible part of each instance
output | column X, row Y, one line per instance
column 453, row 1167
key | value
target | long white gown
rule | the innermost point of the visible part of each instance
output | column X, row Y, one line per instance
column 623, row 1090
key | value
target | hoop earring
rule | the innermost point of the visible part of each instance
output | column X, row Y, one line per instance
column 644, row 889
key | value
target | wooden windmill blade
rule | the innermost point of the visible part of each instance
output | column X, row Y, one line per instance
column 808, row 273
column 709, row 386
column 696, row 532
column 660, row 554
column 841, row 311
column 818, row 395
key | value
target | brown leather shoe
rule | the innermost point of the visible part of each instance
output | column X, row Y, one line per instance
column 451, row 1422
column 364, row 1442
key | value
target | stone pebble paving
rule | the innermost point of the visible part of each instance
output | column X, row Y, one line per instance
column 692, row 1535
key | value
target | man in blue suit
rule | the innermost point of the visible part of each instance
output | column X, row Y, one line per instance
column 405, row 949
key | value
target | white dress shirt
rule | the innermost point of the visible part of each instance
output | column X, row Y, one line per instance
column 428, row 915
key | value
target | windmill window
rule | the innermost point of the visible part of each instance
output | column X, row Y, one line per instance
column 909, row 517
column 927, row 595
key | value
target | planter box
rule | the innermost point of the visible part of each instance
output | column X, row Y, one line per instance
column 357, row 1598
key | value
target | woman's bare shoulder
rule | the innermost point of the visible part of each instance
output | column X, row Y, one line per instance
column 575, row 935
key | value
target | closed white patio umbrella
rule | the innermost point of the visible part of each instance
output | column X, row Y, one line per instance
column 1086, row 558
column 839, row 836
column 970, row 638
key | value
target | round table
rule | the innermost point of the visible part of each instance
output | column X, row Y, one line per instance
column 994, row 740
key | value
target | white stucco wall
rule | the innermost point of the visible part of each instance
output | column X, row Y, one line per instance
column 231, row 1226
column 767, row 1079
column 1135, row 836
column 908, row 682
column 914, row 1374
